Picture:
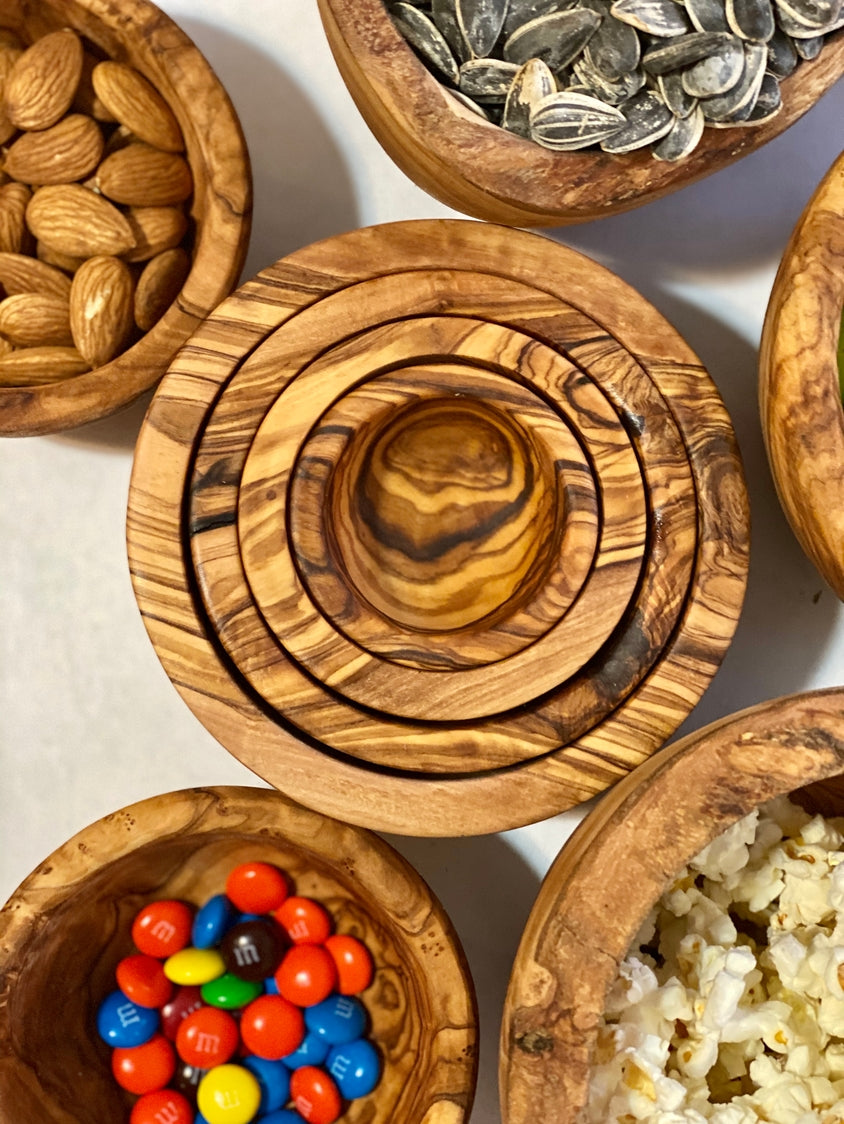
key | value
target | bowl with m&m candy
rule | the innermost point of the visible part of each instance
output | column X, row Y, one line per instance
column 223, row 956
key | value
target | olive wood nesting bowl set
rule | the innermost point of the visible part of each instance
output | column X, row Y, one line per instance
column 438, row 527
column 138, row 33
column 800, row 396
column 67, row 926
column 618, row 863
column 482, row 170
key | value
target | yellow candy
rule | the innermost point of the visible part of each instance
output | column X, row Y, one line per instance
column 228, row 1094
column 194, row 966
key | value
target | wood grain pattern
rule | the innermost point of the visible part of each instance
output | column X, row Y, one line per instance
column 220, row 211
column 484, row 171
column 800, row 400
column 581, row 355
column 619, row 861
column 68, row 924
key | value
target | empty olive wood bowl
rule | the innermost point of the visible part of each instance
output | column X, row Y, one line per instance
column 140, row 34
column 65, row 928
column 618, row 863
column 430, row 544
column 800, row 396
column 484, row 171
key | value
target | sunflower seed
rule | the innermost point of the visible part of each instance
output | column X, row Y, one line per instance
column 470, row 104
column 613, row 93
column 717, row 73
column 751, row 19
column 674, row 95
column 681, row 52
column 487, row 79
column 682, row 138
column 647, row 119
column 480, row 23
column 533, row 82
column 707, row 15
column 444, row 16
column 809, row 49
column 426, row 39
column 663, row 18
column 782, row 54
column 521, row 12
column 769, row 102
column 737, row 104
column 817, row 14
column 566, row 122
column 615, row 49
column 556, row 39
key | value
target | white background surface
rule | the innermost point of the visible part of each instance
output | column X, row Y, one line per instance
column 88, row 720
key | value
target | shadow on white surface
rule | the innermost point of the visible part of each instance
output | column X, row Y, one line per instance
column 488, row 890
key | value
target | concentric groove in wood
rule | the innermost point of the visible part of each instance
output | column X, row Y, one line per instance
column 573, row 741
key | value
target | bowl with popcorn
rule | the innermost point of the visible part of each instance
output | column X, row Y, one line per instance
column 125, row 205
column 684, row 960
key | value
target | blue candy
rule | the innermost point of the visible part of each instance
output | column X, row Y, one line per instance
column 212, row 922
column 274, row 1079
column 355, row 1067
column 120, row 1022
column 282, row 1116
column 311, row 1051
column 337, row 1019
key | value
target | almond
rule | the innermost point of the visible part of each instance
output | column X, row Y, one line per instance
column 159, row 285
column 135, row 103
column 76, row 221
column 19, row 273
column 155, row 229
column 67, row 151
column 58, row 260
column 8, row 57
column 14, row 200
column 43, row 81
column 86, row 100
column 142, row 176
column 34, row 366
column 101, row 308
column 36, row 320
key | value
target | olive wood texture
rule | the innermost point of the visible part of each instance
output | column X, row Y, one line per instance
column 620, row 860
column 430, row 546
column 66, row 927
column 140, row 34
column 800, row 397
column 483, row 170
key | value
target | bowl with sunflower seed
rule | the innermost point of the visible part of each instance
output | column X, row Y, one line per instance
column 552, row 112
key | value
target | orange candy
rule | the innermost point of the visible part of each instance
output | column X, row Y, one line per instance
column 271, row 1027
column 354, row 964
column 315, row 1095
column 144, row 1069
column 141, row 978
column 304, row 920
column 306, row 975
column 256, row 887
column 162, row 928
column 163, row 1105
column 207, row 1037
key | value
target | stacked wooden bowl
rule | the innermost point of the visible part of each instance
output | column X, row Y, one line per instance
column 438, row 527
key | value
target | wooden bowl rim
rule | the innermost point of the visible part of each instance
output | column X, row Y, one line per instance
column 489, row 173
column 616, row 864
column 800, row 397
column 54, row 407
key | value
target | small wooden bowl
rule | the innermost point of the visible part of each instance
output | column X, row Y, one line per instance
column 140, row 34
column 482, row 170
column 800, row 396
column 65, row 928
column 618, row 863
column 438, row 526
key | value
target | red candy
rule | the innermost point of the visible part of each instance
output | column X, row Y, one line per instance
column 185, row 1000
column 144, row 1069
column 306, row 975
column 141, row 978
column 164, row 1106
column 304, row 920
column 353, row 962
column 271, row 1027
column 207, row 1037
column 162, row 928
column 256, row 887
column 315, row 1095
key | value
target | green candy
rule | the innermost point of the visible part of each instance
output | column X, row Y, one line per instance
column 230, row 992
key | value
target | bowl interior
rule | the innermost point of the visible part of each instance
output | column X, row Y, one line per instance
column 68, row 925
column 219, row 209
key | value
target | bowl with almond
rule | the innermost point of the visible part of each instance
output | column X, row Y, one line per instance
column 125, row 206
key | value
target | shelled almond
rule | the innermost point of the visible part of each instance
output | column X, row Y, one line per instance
column 94, row 197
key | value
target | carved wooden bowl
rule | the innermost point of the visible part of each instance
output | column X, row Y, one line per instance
column 65, row 928
column 439, row 527
column 800, row 395
column 482, row 170
column 140, row 34
column 620, row 860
